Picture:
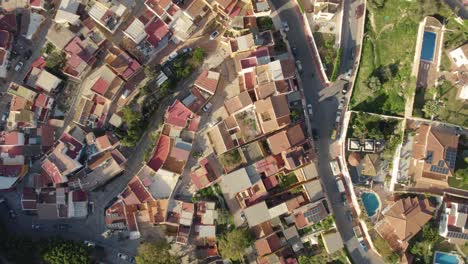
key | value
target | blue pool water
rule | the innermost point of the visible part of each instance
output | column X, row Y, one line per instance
column 371, row 202
column 445, row 258
column 428, row 46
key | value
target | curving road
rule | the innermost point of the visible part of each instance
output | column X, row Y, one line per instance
column 325, row 103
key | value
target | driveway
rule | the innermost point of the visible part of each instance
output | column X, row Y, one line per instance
column 325, row 106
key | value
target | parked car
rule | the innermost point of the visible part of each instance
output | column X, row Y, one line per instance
column 315, row 135
column 19, row 66
column 299, row 65
column 285, row 26
column 207, row 107
column 338, row 116
column 350, row 216
column 35, row 226
column 214, row 35
column 4, row 116
column 309, row 109
column 294, row 51
column 106, row 234
column 12, row 214
column 172, row 56
column 186, row 50
column 123, row 256
column 345, row 88
column 89, row 243
column 61, row 226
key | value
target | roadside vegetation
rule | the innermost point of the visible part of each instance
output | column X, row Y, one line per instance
column 18, row 248
column 136, row 116
column 384, row 249
column 156, row 253
column 366, row 126
column 328, row 54
column 384, row 79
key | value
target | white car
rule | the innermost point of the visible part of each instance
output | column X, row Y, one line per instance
column 207, row 107
column 338, row 116
column 172, row 56
column 106, row 233
column 187, row 50
column 19, row 66
column 285, row 26
column 125, row 93
column 214, row 35
column 89, row 243
column 309, row 109
column 299, row 65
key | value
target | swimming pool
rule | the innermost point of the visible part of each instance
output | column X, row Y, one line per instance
column 445, row 258
column 428, row 46
column 371, row 202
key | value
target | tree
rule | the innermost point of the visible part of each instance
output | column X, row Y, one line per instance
column 55, row 61
column 230, row 158
column 149, row 72
column 234, row 243
column 58, row 251
column 198, row 56
column 374, row 84
column 423, row 251
column 156, row 253
column 432, row 108
column 317, row 259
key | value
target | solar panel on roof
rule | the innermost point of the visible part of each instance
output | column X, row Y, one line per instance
column 441, row 163
column 450, row 157
column 458, row 235
column 429, row 157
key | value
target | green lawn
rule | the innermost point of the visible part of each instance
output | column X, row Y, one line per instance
column 390, row 41
column 460, row 166
column 325, row 45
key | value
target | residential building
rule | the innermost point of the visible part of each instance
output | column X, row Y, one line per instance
column 208, row 81
column 208, row 171
column 63, row 160
column 42, row 80
column 14, row 164
column 434, row 155
column 35, row 22
column 268, row 244
column 273, row 113
column 108, row 14
column 325, row 9
column 459, row 56
column 309, row 214
column 261, row 7
column 122, row 64
column 226, row 8
column 59, row 35
column 453, row 221
column 196, row 9
column 5, row 45
column 403, row 220
column 66, row 12
column 179, row 221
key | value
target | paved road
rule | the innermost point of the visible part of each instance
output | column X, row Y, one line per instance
column 325, row 105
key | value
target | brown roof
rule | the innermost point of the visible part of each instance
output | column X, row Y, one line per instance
column 208, row 81
column 436, row 147
column 220, row 138
column 408, row 216
column 273, row 113
column 268, row 245
column 265, row 90
column 369, row 164
column 285, row 139
column 237, row 103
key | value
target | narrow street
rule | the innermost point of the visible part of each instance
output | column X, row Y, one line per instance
column 324, row 110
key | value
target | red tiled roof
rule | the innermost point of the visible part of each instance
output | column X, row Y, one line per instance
column 12, row 151
column 5, row 38
column 69, row 140
column 47, row 136
column 146, row 17
column 178, row 115
column 79, row 196
column 207, row 81
column 41, row 100
column 39, row 63
column 52, row 171
column 100, row 86
column 8, row 22
column 11, row 138
column 160, row 154
column 140, row 190
column 35, row 3
column 156, row 31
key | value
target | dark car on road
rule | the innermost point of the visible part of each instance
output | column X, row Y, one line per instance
column 315, row 134
column 62, row 226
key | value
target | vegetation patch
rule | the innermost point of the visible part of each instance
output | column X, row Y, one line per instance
column 441, row 103
column 326, row 47
column 383, row 248
column 231, row 159
column 388, row 23
column 460, row 178
column 367, row 126
column 265, row 23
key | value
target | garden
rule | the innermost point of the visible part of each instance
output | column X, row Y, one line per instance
column 384, row 79
column 367, row 126
column 441, row 103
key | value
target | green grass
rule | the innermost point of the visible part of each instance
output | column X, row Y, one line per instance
column 460, row 165
column 382, row 246
column 391, row 40
column 287, row 180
